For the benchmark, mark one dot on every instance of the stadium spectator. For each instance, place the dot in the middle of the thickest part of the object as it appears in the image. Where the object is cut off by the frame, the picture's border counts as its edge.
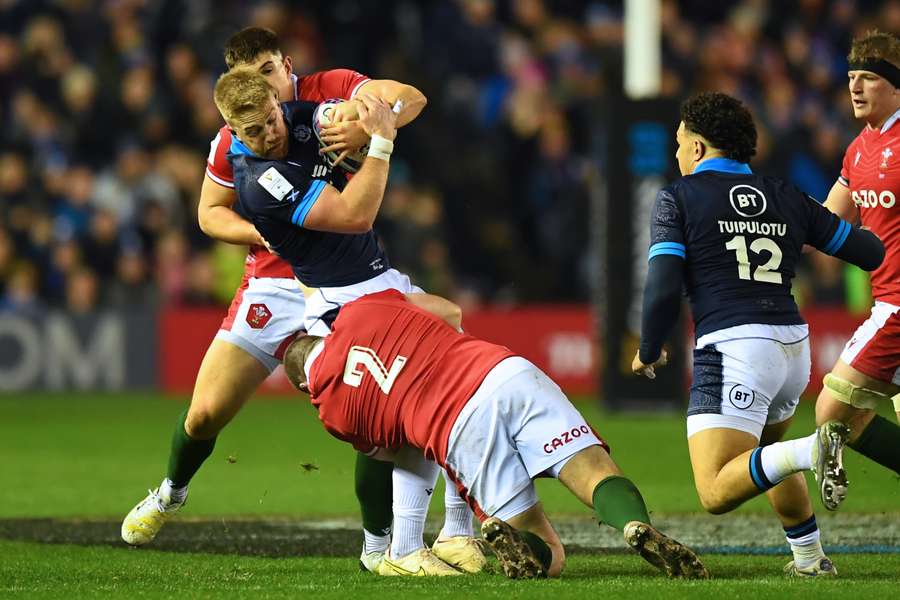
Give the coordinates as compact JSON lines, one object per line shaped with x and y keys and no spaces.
{"x":111,"y":109}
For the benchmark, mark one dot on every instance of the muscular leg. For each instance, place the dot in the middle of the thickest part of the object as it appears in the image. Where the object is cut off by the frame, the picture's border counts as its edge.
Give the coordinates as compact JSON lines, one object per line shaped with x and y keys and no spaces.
{"x":535,"y":522}
{"x":790,"y":498}
{"x":871,"y":435}
{"x":585,"y":470}
{"x":228,"y":376}
{"x":597,"y":481}
{"x":723,"y":461}
{"x":720,"y":458}
{"x":730,"y":469}
{"x":790,"y":501}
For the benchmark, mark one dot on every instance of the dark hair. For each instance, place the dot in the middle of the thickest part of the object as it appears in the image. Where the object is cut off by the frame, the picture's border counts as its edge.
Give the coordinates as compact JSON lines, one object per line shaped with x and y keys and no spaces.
{"x":875,"y":45}
{"x":725,"y":123}
{"x":245,"y":45}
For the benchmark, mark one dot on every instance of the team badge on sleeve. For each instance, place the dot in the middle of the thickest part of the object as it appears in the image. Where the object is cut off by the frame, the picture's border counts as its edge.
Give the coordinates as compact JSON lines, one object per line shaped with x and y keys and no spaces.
{"x":274,"y":182}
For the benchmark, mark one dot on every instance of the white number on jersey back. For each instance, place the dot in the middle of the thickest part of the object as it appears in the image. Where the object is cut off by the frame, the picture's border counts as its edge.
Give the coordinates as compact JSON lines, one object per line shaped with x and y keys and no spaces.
{"x":360,"y":356}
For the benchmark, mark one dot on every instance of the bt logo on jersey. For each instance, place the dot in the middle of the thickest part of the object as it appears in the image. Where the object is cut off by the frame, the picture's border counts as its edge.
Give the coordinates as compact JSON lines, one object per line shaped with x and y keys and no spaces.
{"x":873,"y":199}
{"x":566,"y":437}
{"x":747,"y":201}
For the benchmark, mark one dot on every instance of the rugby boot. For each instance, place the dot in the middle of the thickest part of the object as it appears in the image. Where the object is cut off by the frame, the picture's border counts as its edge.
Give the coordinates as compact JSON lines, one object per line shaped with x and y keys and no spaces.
{"x":821,"y":568}
{"x":461,"y":552}
{"x":828,"y":463}
{"x":516,"y":557}
{"x":668,"y":555}
{"x":146,"y":519}
{"x":369,"y":562}
{"x":421,"y":563}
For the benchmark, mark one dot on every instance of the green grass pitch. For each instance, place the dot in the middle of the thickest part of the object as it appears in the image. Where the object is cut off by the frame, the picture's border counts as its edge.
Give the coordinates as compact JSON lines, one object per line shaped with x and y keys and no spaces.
{"x":85,"y":460}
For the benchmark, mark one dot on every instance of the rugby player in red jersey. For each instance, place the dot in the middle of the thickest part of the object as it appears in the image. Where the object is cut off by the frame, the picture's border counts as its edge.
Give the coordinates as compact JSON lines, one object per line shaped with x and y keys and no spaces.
{"x":268,"y":310}
{"x":867,"y":374}
{"x":402,"y":383}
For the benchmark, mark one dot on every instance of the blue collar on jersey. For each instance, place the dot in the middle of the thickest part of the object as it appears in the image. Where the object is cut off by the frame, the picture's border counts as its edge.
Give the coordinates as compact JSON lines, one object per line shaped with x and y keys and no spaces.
{"x":238,"y":147}
{"x":725,"y":165}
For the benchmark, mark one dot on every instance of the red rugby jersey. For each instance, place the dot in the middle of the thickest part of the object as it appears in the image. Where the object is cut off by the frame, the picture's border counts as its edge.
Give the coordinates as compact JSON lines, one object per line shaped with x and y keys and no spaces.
{"x":315,"y":87}
{"x":391,"y":374}
{"x":871,"y":170}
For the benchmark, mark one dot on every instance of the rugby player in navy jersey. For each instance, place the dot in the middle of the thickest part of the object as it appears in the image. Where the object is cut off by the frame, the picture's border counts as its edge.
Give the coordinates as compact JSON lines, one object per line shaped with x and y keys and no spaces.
{"x":733,"y":239}
{"x":324,"y":231}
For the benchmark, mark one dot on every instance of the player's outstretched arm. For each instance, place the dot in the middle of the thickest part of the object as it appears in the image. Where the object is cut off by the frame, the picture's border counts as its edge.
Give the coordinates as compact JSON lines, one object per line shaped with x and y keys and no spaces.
{"x":219,"y":221}
{"x":440,"y":307}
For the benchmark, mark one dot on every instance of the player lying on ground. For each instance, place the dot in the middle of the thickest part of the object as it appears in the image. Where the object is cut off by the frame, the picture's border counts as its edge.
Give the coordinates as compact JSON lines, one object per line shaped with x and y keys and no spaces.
{"x":397,"y":381}
{"x":268,"y":309}
{"x":868,"y":372}
{"x":733,"y":239}
{"x":322,"y":225}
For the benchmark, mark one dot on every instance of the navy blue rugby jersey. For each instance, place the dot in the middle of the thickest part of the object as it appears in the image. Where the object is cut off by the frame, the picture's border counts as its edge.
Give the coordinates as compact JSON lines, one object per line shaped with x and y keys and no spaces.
{"x":276,"y":196}
{"x":741,"y":236}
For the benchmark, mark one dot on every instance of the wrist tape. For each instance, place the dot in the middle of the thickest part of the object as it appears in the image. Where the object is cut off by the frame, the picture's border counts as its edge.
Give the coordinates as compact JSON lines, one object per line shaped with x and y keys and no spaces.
{"x":380,"y":147}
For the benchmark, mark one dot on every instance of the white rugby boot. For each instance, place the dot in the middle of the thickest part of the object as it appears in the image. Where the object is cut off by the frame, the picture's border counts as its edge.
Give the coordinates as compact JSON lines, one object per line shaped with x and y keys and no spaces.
{"x":420,"y":563}
{"x":146,"y":519}
{"x":821,"y":568}
{"x":370,"y":562}
{"x":461,"y":552}
{"x":828,"y":462}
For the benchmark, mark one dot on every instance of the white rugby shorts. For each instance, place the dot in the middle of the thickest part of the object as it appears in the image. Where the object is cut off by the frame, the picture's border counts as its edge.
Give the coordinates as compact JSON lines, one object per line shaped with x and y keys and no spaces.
{"x":264,"y":317}
{"x":516,"y":426}
{"x":748,"y":376}
{"x":323,"y":300}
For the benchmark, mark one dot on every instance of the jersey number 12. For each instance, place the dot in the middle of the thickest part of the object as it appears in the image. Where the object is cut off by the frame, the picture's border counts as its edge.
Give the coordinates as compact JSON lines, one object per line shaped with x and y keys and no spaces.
{"x":765,"y":272}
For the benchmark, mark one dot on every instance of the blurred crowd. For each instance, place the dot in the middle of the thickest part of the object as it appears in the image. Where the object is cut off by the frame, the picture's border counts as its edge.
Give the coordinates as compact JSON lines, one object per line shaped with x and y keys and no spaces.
{"x":107,"y":116}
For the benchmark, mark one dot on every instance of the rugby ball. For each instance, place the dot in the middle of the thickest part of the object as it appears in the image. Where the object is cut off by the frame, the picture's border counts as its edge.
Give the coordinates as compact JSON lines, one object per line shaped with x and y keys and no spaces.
{"x":322,"y":118}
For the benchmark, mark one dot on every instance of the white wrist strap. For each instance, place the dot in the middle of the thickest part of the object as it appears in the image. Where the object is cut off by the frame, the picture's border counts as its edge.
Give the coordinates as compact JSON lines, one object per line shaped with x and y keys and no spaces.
{"x":380,"y":147}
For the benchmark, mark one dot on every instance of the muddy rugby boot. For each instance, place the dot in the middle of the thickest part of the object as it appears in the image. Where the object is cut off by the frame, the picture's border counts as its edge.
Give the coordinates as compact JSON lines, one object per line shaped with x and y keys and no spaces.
{"x":668,"y":555}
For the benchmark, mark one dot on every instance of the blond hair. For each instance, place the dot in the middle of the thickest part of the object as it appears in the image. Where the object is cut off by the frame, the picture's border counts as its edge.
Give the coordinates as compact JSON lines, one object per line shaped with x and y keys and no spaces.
{"x":875,"y":45}
{"x":241,"y":91}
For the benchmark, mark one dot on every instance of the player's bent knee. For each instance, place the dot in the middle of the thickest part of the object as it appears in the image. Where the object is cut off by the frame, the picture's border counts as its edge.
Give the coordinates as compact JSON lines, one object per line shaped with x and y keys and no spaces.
{"x":715,"y":503}
{"x":204,"y":423}
{"x":853,"y":395}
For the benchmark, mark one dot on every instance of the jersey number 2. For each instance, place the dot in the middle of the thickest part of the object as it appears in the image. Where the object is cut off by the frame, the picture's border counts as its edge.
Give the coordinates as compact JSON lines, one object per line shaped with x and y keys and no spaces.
{"x":360,"y":356}
{"x":765,"y":272}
